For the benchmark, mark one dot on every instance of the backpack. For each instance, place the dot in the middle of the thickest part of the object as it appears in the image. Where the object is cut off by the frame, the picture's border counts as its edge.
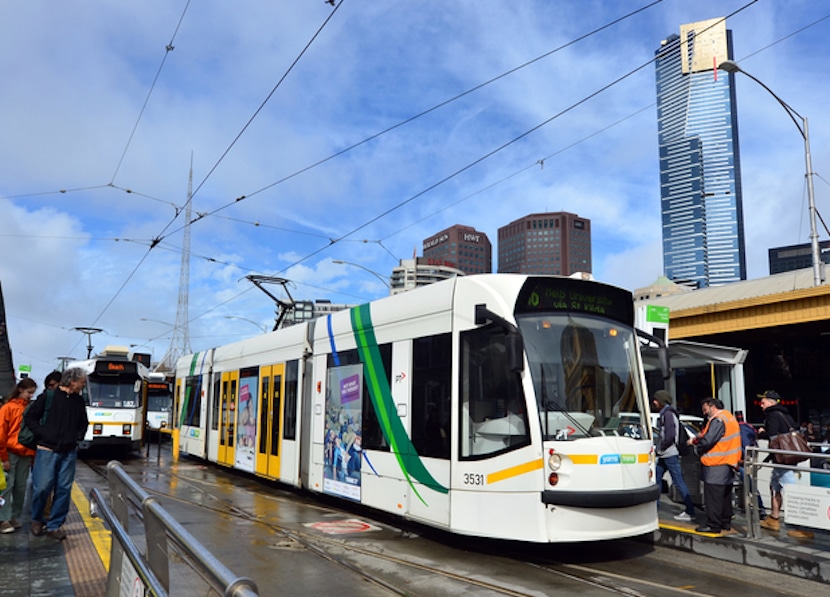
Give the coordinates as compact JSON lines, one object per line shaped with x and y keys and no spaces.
{"x":26,"y":437}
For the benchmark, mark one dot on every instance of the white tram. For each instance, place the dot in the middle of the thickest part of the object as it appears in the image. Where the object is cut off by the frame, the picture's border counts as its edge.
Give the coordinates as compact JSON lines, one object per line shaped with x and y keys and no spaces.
{"x":115,"y":396}
{"x":159,"y":401}
{"x":486,"y":405}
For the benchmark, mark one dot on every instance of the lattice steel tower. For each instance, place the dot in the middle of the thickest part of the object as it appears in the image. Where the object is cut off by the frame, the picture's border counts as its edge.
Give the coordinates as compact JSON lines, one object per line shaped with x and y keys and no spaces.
{"x":180,"y":343}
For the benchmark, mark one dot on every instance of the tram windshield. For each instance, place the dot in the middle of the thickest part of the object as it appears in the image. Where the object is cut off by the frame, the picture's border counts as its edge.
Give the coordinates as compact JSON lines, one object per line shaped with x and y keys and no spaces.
{"x":585,"y":375}
{"x":113,"y":393}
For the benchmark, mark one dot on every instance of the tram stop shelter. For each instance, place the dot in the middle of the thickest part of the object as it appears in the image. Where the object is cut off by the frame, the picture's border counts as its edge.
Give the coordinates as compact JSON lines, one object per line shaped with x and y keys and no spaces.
{"x":783,"y":324}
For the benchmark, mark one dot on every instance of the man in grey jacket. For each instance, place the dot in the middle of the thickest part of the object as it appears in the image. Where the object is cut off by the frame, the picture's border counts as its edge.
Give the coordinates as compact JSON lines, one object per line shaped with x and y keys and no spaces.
{"x":668,"y":456}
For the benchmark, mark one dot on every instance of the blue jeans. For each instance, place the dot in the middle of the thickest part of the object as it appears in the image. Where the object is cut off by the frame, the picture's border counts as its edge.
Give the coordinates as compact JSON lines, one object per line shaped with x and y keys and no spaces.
{"x":672,"y":464}
{"x":52,"y":471}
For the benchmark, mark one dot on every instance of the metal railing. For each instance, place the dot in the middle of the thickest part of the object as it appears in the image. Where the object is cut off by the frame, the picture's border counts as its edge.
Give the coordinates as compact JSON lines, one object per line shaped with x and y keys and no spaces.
{"x":150,"y":570}
{"x":752,"y":464}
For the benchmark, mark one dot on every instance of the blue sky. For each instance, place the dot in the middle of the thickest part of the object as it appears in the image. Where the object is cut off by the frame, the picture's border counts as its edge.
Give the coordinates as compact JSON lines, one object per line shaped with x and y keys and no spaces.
{"x":78,"y":115}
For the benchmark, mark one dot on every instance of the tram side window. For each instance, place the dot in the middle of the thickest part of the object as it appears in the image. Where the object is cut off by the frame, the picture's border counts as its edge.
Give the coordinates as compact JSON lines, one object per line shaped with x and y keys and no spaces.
{"x":493,"y":414}
{"x":431,"y":395}
{"x":192,"y":405}
{"x":217,"y":399}
{"x":370,"y":432}
{"x":292,"y":369}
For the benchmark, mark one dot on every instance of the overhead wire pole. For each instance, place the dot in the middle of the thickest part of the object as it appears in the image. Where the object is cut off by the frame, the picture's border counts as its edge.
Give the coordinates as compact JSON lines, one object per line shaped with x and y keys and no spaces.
{"x":731,"y":67}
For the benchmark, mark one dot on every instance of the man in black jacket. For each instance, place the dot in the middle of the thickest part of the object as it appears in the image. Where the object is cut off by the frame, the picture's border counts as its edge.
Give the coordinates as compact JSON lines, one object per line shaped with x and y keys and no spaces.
{"x":57,"y":450}
{"x":776,"y":420}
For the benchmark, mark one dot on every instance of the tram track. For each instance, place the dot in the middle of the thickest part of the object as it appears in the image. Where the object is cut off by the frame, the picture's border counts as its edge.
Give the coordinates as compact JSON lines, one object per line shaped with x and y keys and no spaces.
{"x":354,"y":556}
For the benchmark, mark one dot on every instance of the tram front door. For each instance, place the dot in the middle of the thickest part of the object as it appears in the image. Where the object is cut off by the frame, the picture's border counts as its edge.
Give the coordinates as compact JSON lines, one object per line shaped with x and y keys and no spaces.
{"x":227,"y":420}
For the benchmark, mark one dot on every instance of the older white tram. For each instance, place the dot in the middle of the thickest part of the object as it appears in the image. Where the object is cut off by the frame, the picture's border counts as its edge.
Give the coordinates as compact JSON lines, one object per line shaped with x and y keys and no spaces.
{"x":486,"y":405}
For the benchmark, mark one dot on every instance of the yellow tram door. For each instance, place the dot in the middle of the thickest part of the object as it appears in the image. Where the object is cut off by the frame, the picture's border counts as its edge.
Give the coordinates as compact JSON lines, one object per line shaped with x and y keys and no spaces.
{"x":227,"y":418}
{"x":269,"y":424}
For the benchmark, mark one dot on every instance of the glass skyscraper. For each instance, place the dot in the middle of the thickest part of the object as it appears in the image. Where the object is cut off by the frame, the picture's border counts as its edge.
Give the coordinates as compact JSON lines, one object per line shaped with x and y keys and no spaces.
{"x":700,"y":174}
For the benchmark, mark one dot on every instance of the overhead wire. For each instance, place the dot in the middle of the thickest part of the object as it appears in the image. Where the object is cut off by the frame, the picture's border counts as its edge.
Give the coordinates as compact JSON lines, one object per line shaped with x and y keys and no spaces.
{"x":213,"y":168}
{"x":427,"y":111}
{"x":167,"y":49}
{"x":159,"y":237}
{"x":468,"y":166}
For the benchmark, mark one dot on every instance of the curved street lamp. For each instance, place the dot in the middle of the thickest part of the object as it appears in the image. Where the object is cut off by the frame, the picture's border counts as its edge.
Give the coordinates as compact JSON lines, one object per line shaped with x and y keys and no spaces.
{"x":381,"y":277}
{"x":168,"y":324}
{"x":731,"y":67}
{"x":263,"y":328}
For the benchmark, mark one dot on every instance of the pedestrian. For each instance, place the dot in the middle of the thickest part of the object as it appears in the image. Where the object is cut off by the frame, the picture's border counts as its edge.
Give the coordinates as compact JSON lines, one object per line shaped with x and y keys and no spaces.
{"x":719,"y":448}
{"x":668,"y":453}
{"x":749,"y":438}
{"x":17,"y":459}
{"x":57,"y":451}
{"x":777,"y":420}
{"x":50,"y":384}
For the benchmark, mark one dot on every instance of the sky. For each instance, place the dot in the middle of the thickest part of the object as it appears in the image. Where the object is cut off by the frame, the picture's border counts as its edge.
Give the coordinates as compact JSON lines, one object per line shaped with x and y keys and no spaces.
{"x":320,"y":133}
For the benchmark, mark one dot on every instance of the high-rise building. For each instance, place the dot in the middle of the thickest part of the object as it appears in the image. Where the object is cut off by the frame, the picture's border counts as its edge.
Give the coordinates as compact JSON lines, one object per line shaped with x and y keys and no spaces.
{"x":556,"y":243}
{"x":460,"y":247}
{"x":414,"y":273}
{"x":793,"y":257}
{"x":700,"y":174}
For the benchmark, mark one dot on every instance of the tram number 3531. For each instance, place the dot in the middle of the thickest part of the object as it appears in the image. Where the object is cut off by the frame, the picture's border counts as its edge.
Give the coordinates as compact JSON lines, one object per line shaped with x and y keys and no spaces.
{"x":473,"y":479}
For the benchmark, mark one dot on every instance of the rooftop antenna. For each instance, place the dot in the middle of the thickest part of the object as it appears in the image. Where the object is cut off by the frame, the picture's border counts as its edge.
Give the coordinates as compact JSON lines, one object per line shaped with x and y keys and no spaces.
{"x":180,"y":342}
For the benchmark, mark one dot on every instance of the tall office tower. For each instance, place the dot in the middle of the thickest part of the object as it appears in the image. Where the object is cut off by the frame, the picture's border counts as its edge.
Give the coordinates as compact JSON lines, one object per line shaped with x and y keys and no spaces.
{"x":549,"y":243}
{"x":700,"y":173}
{"x":460,"y":247}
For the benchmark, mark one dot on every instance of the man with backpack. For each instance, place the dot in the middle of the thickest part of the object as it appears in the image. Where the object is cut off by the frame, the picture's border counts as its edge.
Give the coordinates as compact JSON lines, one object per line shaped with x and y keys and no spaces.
{"x":668,"y":450}
{"x":57,"y":451}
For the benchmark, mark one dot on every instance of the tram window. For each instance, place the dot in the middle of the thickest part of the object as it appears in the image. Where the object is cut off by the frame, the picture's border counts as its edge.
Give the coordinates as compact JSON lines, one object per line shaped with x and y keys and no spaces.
{"x":292,"y":369}
{"x":217,"y":396}
{"x":370,"y":432}
{"x":264,"y":411}
{"x":192,"y":405}
{"x":493,"y":414}
{"x":431,"y":395}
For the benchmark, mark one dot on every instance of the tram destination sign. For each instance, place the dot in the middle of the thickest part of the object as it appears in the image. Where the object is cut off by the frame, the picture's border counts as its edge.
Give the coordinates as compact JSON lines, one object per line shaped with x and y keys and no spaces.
{"x":576,"y":296}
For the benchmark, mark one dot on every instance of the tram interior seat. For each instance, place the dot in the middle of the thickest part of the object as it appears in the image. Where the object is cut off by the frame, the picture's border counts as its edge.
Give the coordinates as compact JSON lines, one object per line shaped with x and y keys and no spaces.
{"x":494,"y":434}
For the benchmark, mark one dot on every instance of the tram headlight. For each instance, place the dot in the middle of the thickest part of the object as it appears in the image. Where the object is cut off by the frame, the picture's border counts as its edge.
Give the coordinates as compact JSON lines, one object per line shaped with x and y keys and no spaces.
{"x":126,"y":429}
{"x":553,"y":479}
{"x":97,"y":429}
{"x":554,"y":461}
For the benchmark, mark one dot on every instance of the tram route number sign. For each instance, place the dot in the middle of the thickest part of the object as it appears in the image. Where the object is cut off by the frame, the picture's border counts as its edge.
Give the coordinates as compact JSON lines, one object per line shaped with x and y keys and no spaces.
{"x":342,"y":527}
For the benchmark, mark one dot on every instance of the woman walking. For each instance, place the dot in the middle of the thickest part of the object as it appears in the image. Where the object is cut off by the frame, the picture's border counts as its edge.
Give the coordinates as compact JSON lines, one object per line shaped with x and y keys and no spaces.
{"x":17,"y":459}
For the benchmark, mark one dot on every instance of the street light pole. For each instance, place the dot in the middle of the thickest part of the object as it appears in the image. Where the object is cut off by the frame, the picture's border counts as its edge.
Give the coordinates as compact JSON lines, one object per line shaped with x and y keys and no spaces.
{"x":88,"y":332}
{"x":380,"y":277}
{"x":263,"y":328}
{"x":731,"y":67}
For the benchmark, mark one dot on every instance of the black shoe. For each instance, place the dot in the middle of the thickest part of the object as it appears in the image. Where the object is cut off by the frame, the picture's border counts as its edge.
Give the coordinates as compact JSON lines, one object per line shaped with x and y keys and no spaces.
{"x":37,"y":528}
{"x":707,"y":529}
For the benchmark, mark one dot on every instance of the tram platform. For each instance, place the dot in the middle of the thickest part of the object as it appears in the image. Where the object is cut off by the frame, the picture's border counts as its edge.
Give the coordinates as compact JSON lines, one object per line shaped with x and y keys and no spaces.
{"x":78,"y":565}
{"x":806,"y":557}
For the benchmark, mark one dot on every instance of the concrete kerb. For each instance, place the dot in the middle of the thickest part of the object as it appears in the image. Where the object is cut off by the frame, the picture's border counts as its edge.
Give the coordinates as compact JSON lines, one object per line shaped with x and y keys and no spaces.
{"x":807,"y":563}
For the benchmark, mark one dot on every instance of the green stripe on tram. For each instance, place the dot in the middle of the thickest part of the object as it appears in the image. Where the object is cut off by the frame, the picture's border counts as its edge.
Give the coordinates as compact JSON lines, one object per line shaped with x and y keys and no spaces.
{"x":377,"y":381}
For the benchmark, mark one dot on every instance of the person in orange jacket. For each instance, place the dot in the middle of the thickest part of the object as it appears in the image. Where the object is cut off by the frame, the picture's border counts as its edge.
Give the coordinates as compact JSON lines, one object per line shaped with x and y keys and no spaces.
{"x":17,"y":459}
{"x":719,"y":448}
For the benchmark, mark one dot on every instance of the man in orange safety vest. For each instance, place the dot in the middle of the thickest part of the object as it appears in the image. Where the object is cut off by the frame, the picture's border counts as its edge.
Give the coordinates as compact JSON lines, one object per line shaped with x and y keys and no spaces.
{"x":719,"y":448}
